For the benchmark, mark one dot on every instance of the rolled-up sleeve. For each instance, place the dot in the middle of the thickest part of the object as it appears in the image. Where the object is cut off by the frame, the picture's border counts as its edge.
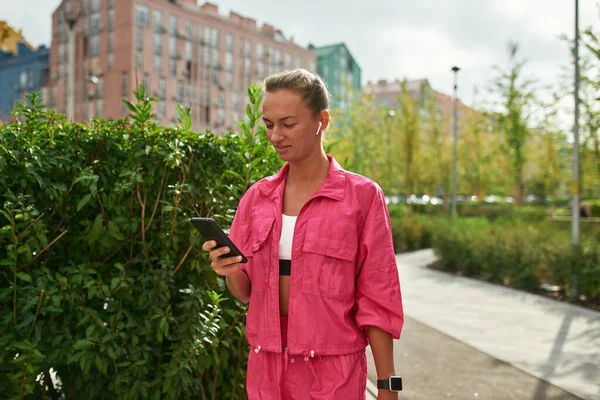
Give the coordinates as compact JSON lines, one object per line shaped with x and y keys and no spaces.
{"x":378,"y":297}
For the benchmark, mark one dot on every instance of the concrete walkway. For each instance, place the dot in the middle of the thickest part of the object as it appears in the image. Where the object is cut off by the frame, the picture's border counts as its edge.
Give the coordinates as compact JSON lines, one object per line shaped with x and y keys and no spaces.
{"x":553,"y":341}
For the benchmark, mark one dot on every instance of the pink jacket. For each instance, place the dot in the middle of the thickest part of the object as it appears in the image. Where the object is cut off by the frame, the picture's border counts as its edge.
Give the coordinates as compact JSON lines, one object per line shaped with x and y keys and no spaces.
{"x":344,"y":275}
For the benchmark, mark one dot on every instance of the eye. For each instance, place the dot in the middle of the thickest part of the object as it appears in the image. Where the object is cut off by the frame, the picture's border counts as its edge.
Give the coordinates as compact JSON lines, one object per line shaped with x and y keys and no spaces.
{"x":289,"y":125}
{"x":269,"y":126}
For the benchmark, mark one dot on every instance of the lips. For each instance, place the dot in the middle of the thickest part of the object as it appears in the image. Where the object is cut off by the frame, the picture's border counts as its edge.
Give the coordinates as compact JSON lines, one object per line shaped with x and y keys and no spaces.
{"x":282,"y":148}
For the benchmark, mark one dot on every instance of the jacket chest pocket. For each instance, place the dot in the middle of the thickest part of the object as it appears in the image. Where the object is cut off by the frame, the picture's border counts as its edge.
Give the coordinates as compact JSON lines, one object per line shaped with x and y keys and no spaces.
{"x":257,"y":250}
{"x":329,"y":254}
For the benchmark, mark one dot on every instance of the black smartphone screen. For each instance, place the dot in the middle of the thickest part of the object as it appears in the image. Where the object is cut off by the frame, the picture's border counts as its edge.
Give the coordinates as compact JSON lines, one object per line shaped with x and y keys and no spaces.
{"x":210,"y":230}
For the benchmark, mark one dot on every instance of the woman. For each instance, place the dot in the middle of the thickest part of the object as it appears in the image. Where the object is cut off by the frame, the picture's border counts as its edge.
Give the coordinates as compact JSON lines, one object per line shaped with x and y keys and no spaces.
{"x":321,"y":279}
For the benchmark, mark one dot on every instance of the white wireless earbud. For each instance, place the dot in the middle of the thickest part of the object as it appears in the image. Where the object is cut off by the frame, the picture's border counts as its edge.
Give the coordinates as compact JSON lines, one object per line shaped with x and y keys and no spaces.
{"x":319,"y":128}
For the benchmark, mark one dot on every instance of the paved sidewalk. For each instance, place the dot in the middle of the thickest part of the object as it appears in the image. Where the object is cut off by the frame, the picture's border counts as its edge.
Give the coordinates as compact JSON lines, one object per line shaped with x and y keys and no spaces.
{"x":553,"y":341}
{"x":434,"y":366}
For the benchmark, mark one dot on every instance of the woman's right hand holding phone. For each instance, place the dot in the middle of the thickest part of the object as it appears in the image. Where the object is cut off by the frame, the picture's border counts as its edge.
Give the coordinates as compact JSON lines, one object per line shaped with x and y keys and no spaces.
{"x":222,"y":266}
{"x":237,"y":281}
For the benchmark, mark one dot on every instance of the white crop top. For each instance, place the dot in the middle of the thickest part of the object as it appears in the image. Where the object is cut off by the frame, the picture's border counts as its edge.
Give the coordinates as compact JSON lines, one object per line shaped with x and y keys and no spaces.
{"x":287,"y":236}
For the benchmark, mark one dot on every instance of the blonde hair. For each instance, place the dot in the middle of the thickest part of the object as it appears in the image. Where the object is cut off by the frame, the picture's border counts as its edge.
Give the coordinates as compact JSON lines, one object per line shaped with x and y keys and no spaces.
{"x":309,"y":86}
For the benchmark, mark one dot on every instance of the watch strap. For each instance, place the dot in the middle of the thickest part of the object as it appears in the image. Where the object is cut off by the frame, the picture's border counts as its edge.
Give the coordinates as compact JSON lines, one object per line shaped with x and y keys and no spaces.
{"x":386,"y":384}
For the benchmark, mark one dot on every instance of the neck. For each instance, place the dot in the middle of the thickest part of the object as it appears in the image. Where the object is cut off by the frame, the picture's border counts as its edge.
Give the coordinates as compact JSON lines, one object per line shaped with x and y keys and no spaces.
{"x":309,"y":172}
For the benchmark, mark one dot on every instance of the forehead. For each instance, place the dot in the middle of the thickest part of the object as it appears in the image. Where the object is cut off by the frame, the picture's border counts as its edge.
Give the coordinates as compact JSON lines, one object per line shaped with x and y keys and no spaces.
{"x":283,"y":103}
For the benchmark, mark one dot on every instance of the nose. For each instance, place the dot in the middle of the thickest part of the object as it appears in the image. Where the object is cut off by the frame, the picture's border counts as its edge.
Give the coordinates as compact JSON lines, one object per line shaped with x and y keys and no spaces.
{"x":276,"y":136}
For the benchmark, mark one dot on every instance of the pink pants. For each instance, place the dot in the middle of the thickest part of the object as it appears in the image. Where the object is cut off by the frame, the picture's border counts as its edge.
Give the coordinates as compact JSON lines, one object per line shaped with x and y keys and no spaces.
{"x":279,"y":376}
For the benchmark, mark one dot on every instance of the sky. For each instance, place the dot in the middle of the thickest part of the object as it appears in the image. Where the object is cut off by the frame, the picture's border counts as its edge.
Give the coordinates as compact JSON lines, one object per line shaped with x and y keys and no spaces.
{"x":397,"y":39}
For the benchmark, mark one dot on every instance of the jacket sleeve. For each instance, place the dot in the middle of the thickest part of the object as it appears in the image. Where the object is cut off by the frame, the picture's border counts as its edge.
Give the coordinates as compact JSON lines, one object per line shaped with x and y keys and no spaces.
{"x":378,"y":297}
{"x":236,"y":233}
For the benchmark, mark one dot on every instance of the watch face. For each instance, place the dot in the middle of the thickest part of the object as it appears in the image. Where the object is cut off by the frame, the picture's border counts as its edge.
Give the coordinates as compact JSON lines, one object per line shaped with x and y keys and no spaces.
{"x":396,"y":383}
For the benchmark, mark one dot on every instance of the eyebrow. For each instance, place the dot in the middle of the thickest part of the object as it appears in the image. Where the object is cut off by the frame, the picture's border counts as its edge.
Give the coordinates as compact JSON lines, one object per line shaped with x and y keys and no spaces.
{"x":280,"y":119}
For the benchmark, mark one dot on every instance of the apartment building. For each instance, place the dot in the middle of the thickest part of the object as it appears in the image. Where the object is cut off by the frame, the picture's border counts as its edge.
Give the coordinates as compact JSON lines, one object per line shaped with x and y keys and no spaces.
{"x":182,"y":52}
{"x":22,"y":72}
{"x":340,"y":71}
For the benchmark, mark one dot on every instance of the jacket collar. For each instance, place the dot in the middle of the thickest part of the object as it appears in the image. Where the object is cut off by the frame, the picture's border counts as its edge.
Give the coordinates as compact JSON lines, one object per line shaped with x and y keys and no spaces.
{"x":334,"y":186}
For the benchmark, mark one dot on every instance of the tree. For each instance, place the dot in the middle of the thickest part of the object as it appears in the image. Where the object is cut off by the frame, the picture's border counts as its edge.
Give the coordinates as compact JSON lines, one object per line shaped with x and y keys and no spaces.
{"x":435,"y":150}
{"x":516,"y":98}
{"x":410,"y":130}
{"x":591,"y":109}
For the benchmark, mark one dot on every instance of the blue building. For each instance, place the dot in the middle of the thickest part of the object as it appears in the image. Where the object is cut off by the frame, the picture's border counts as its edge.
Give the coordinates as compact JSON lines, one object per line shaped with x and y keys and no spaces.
{"x":21,"y":73}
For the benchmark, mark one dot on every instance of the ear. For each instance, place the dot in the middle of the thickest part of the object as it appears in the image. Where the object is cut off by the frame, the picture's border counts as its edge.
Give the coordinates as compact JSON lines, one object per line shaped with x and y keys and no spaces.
{"x":324,"y":119}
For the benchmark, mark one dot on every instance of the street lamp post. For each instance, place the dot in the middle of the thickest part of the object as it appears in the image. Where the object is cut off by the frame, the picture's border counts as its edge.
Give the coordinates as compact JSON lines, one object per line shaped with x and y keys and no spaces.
{"x":575,"y":205}
{"x":71,"y":10}
{"x":455,"y":69}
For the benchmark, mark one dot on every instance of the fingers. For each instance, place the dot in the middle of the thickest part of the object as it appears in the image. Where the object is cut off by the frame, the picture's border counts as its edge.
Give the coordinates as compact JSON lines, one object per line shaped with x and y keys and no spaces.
{"x":221,"y":265}
{"x":208,"y":246}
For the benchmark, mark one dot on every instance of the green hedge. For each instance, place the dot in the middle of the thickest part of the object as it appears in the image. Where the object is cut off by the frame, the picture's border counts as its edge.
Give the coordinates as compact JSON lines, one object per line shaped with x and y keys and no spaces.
{"x":517,"y":253}
{"x":103,"y":278}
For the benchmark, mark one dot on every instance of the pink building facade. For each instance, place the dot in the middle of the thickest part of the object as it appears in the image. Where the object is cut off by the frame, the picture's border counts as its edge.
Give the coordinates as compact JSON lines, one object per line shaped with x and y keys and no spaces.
{"x":181,"y":52}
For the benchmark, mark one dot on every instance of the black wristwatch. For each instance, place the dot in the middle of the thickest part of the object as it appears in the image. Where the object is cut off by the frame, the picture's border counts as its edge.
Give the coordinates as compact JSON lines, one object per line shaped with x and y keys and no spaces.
{"x":393,"y":384}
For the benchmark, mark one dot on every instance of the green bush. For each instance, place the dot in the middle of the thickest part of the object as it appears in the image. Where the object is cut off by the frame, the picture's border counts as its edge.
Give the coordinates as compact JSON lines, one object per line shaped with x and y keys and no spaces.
{"x":410,"y":231}
{"x":594,"y":208}
{"x":104,"y":280}
{"x":508,"y":251}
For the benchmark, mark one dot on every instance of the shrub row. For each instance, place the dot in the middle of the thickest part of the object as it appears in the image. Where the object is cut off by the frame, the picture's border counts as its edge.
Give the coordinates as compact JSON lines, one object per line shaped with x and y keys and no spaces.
{"x":103,"y":278}
{"x":514,"y":252}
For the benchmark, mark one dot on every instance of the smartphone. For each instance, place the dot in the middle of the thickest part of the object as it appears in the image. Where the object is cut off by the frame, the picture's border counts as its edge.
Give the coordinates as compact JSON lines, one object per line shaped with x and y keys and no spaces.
{"x":211,"y":231}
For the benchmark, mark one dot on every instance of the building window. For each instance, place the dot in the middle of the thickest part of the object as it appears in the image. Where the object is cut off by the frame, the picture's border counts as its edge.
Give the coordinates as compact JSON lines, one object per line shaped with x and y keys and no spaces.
{"x":157,"y":44}
{"x":139,"y":39}
{"x":162,"y":109}
{"x":111,"y":61}
{"x":124,"y":85}
{"x":207,"y":53}
{"x":188,"y":30}
{"x":142,"y":15}
{"x":216,"y":58}
{"x":248,"y":48}
{"x":157,"y":64}
{"x":312,"y":67}
{"x":158,"y":24}
{"x":221,"y":100}
{"x":146,"y":83}
{"x":100,"y":108}
{"x":260,"y":50}
{"x":229,"y":42}
{"x":229,"y":79}
{"x":188,"y":51}
{"x":179,"y":92}
{"x":235,"y":116}
{"x":94,"y":45}
{"x":162,"y":89}
{"x":173,"y":25}
{"x":299,"y":62}
{"x":95,"y":5}
{"x":173,"y":46}
{"x":288,"y":61}
{"x":139,"y":57}
{"x":215,"y":38}
{"x":188,"y":96}
{"x":111,"y":20}
{"x":260,"y":71}
{"x":111,"y":42}
{"x":95,"y":23}
{"x":111,"y":4}
{"x":173,"y":67}
{"x":100,"y":88}
{"x":229,"y":61}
